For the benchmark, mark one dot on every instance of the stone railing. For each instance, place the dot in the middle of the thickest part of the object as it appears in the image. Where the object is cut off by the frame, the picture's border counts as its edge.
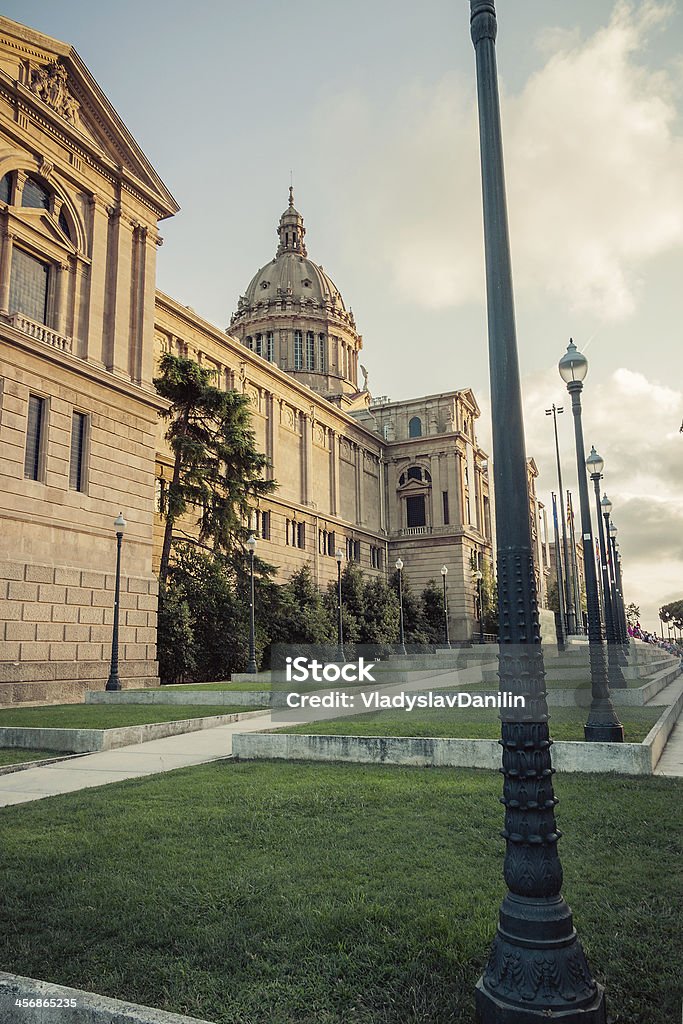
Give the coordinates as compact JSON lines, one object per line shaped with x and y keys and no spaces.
{"x":415,"y":531}
{"x":39,"y":332}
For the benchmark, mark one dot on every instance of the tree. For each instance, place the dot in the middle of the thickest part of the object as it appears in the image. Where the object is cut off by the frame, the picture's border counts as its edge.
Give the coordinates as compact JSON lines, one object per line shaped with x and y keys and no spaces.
{"x":432,"y":613}
{"x":632,"y":614}
{"x":672,"y":613}
{"x":217,"y":469}
{"x":414,"y":626}
{"x":175,"y":637}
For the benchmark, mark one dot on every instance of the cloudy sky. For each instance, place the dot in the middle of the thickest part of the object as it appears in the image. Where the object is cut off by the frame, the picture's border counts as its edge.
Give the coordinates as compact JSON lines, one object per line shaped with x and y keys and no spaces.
{"x":372,"y":107}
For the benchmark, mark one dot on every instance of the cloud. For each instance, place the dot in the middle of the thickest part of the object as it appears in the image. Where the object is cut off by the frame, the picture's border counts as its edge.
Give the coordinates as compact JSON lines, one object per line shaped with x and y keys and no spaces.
{"x":594,"y":165}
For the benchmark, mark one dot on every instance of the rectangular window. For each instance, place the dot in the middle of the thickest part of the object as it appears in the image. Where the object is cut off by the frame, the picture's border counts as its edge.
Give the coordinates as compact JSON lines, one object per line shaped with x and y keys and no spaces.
{"x":330,"y":543}
{"x":415,"y":510}
{"x":301,"y":535}
{"x":298,"y":351}
{"x":79,"y":423}
{"x":310,"y":350}
{"x":35,"y":431}
{"x":446,"y":518}
{"x":265,"y":525}
{"x":321,"y":353}
{"x":287,"y":531}
{"x":29,"y":283}
{"x":270,"y":347}
{"x":258,"y":347}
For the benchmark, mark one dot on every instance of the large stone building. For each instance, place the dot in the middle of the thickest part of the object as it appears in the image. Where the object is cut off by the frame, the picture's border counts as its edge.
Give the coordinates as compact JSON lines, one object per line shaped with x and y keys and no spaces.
{"x":81,"y":326}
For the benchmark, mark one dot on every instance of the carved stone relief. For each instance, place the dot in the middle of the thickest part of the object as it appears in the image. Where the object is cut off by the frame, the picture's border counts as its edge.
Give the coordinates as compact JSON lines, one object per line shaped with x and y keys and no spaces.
{"x":50,"y":85}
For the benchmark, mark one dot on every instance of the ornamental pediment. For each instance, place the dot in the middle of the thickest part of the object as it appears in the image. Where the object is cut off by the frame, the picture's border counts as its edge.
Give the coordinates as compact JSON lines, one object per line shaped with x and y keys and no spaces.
{"x":55,"y":88}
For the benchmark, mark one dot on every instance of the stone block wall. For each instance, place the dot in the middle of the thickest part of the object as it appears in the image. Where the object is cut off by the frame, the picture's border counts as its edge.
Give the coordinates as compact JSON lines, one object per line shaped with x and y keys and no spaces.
{"x":56,"y":632}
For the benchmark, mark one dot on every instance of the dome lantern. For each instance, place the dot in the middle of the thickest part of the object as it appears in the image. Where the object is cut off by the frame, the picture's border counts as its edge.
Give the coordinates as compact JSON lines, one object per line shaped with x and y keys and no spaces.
{"x":291,"y":230}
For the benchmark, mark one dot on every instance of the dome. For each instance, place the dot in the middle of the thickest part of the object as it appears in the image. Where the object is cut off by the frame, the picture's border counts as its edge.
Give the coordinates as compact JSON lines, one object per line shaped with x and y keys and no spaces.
{"x":295,"y":276}
{"x":291,"y":275}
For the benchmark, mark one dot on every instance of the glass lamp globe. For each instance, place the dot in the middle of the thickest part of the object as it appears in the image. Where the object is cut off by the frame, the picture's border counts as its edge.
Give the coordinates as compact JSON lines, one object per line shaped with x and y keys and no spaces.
{"x":594,"y":463}
{"x":399,"y":564}
{"x":605,"y":505}
{"x":573,"y":365}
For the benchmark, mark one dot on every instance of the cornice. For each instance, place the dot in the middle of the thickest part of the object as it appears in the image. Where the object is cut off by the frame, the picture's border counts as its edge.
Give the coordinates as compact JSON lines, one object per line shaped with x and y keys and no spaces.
{"x":81,"y":367}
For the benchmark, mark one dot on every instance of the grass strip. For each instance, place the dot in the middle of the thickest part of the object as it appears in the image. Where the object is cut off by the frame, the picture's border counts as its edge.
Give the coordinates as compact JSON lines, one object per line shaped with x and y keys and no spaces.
{"x":343,"y":894}
{"x":109,"y":716}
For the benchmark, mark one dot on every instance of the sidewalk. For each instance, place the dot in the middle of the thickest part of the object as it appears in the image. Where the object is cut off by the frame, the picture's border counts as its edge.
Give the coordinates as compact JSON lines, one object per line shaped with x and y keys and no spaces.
{"x":124,"y":763}
{"x":164,"y":755}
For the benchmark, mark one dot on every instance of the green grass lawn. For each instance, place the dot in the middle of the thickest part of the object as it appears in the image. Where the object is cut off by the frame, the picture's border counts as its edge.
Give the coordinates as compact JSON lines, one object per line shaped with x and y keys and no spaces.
{"x":15,"y":755}
{"x":328,"y":894}
{"x":565,"y":723}
{"x":108,"y":716}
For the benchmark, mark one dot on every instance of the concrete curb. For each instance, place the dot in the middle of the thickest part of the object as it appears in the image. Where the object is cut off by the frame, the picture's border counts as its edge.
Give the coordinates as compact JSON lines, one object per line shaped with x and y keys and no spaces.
{"x":446,"y":752}
{"x":658,"y":735}
{"x":248,"y":698}
{"x":87,"y":1008}
{"x":86,"y":741}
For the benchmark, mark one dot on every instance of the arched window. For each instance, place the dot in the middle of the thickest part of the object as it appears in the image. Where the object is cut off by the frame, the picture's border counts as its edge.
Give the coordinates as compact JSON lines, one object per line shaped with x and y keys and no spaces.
{"x":35,"y":196}
{"x":64,"y":225}
{"x":415,"y":427}
{"x":414,"y":473}
{"x":6,"y":189}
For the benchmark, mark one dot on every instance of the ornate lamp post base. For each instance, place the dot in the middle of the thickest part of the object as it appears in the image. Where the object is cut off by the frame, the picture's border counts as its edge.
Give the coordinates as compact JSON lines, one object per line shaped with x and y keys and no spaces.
{"x":549,"y":981}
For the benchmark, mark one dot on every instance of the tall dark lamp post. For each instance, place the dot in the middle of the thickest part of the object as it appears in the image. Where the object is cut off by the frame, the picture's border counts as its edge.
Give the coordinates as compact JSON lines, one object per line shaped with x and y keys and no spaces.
{"x":401,"y":631}
{"x":595,"y":465}
{"x":446,"y":631}
{"x":113,"y":682}
{"x":616,"y":562}
{"x":536,"y":970}
{"x":603,"y":723}
{"x":555,"y":411}
{"x":339,"y":555}
{"x":252,"y":667}
{"x":479,"y":576}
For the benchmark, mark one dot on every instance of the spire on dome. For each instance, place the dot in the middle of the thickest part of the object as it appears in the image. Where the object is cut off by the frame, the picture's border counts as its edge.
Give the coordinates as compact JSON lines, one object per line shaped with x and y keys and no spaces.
{"x":291,"y":230}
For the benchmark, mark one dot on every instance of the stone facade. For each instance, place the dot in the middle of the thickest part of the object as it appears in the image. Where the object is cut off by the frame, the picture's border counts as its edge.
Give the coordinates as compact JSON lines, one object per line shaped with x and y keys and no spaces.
{"x":79,"y":207}
{"x":82,"y":327}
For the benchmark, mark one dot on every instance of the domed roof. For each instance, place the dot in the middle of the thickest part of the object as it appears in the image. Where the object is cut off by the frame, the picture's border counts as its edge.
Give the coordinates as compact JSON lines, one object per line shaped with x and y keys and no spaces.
{"x":290,"y":274}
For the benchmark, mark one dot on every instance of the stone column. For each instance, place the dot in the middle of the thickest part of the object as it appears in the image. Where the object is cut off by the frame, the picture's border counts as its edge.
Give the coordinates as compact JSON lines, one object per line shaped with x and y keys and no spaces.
{"x":459,"y":489}
{"x":149,"y":240}
{"x":5,"y":269}
{"x":334,"y":473}
{"x":61,"y":298}
{"x":119,"y":279}
{"x":305,"y":458}
{"x":94,"y":331}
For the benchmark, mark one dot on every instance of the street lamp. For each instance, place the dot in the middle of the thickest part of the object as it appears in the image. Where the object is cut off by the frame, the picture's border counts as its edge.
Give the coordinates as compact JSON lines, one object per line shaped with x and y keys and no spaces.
{"x":537,"y":969}
{"x":568,"y":603}
{"x":479,"y":576}
{"x":339,"y":555}
{"x":401,"y":635}
{"x":113,"y":682}
{"x":252,"y":666}
{"x":595,"y":465}
{"x":444,"y":574}
{"x":603,"y":723}
{"x":616,"y":562}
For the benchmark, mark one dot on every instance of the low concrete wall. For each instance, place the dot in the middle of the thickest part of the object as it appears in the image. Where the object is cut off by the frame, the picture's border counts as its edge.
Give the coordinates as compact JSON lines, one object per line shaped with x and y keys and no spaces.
{"x":245,"y":698}
{"x":87,"y":1008}
{"x":84,"y":741}
{"x":658,"y":735}
{"x":624,"y":758}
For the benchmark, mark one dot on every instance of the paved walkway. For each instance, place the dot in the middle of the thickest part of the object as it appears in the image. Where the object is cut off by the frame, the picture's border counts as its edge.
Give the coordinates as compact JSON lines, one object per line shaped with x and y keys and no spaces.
{"x":191,"y":748}
{"x":125,"y":762}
